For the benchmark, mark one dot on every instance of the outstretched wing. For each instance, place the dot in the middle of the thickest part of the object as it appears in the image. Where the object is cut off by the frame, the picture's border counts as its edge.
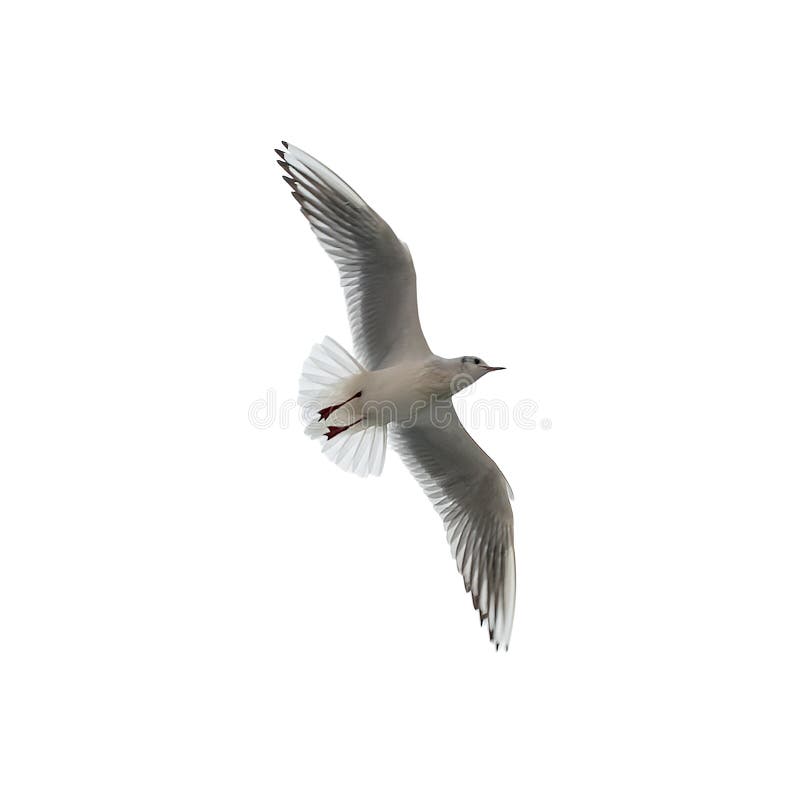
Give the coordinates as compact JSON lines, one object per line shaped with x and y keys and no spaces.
{"x":473,"y":499}
{"x":375,"y":267}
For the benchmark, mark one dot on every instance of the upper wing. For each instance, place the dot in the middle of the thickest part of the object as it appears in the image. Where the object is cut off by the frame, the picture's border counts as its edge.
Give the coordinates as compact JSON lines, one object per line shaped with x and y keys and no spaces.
{"x":375,"y":267}
{"x":473,"y":499}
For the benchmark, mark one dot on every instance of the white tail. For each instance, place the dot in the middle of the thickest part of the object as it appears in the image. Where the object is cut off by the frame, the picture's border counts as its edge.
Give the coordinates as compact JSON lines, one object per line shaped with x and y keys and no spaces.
{"x":330,"y":386}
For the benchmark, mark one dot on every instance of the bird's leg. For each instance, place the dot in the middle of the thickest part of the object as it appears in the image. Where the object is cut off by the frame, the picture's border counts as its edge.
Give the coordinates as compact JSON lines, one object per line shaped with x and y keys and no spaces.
{"x":335,"y":430}
{"x":326,"y":412}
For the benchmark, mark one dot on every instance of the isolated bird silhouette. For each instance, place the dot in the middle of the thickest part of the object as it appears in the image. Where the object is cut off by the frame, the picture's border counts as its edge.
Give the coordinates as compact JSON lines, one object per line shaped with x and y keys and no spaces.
{"x":400,"y":388}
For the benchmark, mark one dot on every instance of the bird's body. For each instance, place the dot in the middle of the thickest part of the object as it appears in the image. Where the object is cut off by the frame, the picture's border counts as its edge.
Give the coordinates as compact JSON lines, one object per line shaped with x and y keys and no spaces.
{"x":407,"y":386}
{"x":395,"y":394}
{"x":398,"y":388}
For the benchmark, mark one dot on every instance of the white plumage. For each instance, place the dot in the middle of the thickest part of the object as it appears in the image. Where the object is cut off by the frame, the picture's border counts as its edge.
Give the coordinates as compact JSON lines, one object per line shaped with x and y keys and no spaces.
{"x":396,"y":385}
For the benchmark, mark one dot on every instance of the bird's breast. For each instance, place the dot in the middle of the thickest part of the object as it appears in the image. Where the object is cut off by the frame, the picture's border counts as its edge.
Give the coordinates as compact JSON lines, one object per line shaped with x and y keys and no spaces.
{"x":396,"y":393}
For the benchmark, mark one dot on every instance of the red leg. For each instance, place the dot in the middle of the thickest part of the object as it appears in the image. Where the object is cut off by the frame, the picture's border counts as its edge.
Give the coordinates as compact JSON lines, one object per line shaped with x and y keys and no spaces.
{"x":326,"y":412}
{"x":335,"y":430}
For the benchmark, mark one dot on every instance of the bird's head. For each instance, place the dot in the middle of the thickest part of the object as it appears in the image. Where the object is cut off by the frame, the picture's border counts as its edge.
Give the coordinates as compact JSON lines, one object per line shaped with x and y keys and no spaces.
{"x":471,"y":369}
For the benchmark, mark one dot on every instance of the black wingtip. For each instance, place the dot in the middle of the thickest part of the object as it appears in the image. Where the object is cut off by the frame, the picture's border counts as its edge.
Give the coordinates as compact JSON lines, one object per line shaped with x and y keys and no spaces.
{"x":285,"y":144}
{"x":281,"y":153}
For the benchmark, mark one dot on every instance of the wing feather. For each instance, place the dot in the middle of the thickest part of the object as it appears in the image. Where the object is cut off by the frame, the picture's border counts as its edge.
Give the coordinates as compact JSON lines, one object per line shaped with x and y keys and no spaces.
{"x":375,"y":267}
{"x":473,"y":499}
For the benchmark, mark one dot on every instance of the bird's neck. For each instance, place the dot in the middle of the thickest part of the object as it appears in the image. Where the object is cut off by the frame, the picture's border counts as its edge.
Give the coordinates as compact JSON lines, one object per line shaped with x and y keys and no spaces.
{"x":445,"y":376}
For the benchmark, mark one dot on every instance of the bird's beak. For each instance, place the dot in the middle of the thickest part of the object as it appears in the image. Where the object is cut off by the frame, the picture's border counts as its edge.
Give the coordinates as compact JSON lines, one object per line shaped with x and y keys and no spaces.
{"x":493,"y":369}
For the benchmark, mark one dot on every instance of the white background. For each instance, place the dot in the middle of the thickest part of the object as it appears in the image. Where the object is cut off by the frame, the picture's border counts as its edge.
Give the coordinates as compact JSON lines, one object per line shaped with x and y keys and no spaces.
{"x":601,"y":197}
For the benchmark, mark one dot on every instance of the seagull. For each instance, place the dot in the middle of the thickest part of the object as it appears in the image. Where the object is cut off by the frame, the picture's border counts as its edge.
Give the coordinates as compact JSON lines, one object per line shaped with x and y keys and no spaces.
{"x":396,"y":388}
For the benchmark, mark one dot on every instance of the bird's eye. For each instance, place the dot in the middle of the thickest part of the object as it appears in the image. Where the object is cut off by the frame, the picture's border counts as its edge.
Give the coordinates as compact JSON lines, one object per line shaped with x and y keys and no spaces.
{"x":477,"y":361}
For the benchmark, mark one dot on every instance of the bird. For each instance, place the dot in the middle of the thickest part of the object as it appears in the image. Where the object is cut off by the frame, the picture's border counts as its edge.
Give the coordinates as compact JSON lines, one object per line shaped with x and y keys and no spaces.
{"x":396,"y":389}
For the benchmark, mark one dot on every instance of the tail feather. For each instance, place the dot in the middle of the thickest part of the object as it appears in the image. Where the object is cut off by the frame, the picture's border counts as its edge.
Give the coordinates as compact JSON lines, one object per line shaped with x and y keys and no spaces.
{"x":324,"y":371}
{"x":330,"y":378}
{"x":360,"y":450}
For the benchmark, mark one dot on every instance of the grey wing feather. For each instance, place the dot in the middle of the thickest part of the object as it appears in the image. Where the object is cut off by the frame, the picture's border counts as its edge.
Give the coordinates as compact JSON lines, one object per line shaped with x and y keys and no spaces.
{"x":473,"y":499}
{"x":375,"y":267}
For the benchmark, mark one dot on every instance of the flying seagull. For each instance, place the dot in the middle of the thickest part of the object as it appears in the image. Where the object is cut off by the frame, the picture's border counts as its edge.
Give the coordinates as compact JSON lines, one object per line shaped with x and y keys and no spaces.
{"x":396,"y":388}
